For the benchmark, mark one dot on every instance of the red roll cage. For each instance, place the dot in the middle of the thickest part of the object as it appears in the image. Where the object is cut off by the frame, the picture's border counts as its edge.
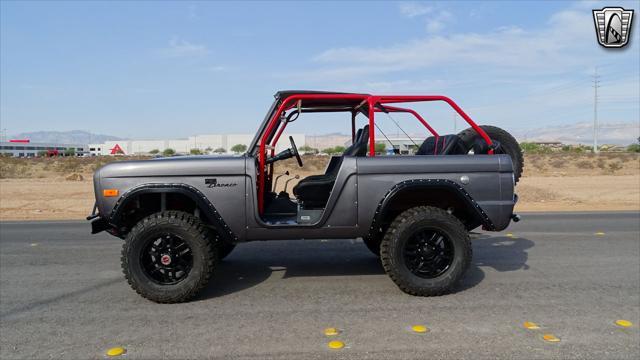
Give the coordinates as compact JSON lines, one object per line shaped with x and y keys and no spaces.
{"x":339,"y":102}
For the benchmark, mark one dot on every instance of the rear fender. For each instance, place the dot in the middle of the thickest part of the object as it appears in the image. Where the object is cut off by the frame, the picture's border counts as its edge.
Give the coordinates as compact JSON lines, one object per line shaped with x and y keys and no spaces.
{"x":430,"y":185}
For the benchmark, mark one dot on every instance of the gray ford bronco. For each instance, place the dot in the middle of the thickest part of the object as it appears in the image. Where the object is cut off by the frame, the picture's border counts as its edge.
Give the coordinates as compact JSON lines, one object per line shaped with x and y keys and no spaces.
{"x":180,"y":216}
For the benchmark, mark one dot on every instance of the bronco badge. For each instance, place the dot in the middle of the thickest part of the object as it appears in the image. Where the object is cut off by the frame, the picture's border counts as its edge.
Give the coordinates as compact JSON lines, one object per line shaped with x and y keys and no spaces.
{"x":214,"y":183}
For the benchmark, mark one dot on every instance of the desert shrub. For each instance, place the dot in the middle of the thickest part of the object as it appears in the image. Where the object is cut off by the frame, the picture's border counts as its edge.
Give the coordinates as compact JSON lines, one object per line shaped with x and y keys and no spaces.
{"x":558,"y":163}
{"x":68,"y":164}
{"x":615,"y":166}
{"x":634,"y":148}
{"x":584,"y":164}
{"x":601,"y":163}
{"x":13,"y":168}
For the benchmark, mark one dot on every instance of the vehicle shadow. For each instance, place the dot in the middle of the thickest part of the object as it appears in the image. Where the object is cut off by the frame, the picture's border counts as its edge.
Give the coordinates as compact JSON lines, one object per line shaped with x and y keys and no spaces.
{"x":253,"y":263}
{"x":501,"y":253}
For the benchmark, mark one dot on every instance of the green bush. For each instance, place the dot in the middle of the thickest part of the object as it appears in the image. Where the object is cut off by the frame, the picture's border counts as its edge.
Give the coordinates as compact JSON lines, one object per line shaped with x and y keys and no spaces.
{"x":533,"y":148}
{"x":239,"y":148}
{"x":634,"y":148}
{"x":306,"y":149}
{"x":195,"y":152}
{"x":168,"y":152}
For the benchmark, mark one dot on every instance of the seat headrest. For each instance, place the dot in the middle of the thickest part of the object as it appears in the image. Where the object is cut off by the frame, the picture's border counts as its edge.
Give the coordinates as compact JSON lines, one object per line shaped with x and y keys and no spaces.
{"x":359,"y":147}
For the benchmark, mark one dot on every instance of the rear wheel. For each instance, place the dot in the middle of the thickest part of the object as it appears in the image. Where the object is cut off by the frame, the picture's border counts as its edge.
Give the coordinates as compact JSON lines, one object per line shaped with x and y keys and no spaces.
{"x":508,"y":145}
{"x":426,"y":251}
{"x":168,"y":257}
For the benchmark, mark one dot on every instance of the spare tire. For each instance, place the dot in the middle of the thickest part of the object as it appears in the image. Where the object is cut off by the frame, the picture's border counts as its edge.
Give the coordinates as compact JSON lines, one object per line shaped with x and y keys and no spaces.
{"x":508,"y":145}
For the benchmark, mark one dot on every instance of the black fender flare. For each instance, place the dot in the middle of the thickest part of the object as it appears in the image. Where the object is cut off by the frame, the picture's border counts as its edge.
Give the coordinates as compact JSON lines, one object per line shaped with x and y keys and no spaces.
{"x":209,"y":211}
{"x":430,"y":184}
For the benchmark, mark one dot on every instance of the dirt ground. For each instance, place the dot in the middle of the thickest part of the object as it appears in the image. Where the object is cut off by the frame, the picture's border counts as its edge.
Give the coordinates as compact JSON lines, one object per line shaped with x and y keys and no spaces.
{"x":61,"y":189}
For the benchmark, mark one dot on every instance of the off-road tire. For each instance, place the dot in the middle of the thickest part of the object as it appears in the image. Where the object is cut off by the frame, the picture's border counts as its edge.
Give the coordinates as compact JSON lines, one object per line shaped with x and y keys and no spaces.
{"x":373,"y":244}
{"x":398,"y":233}
{"x":224,"y":249}
{"x":508,"y":144}
{"x":193,"y":232}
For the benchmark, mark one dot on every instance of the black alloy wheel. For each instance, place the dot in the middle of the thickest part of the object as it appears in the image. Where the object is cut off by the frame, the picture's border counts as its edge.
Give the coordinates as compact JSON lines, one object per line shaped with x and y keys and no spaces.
{"x":428,"y":253}
{"x":166,"y":259}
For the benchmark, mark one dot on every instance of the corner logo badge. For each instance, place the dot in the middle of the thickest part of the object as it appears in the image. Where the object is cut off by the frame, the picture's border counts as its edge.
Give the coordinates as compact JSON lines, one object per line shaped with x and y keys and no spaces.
{"x":613,"y":26}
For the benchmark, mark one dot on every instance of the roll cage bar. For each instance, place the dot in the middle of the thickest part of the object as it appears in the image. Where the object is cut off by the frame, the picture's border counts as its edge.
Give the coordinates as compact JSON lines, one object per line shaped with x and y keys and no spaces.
{"x":368,"y":105}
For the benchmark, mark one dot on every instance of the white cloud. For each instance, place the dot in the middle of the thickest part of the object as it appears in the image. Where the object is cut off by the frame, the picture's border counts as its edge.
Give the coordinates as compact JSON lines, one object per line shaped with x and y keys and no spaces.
{"x":565,"y":42}
{"x":413,"y":9}
{"x":437,"y":22}
{"x":182,"y":48}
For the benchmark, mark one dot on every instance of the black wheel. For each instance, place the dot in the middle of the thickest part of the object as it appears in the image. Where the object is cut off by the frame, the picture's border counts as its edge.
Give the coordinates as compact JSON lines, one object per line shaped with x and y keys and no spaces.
{"x":224,"y":249}
{"x":426,"y":251}
{"x":373,"y":244}
{"x":168,"y":257}
{"x":508,"y":145}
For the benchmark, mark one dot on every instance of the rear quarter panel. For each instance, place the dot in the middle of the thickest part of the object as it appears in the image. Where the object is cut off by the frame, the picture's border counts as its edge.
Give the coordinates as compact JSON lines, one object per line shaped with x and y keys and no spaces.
{"x":490,"y":181}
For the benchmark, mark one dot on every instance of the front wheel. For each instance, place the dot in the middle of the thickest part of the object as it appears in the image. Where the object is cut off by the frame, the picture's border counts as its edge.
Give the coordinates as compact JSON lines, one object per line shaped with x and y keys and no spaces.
{"x":168,"y":257}
{"x":426,"y":251}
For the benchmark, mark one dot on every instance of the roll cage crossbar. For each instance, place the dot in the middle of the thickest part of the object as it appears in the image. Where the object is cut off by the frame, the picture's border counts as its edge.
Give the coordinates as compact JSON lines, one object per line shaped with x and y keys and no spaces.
{"x":366,"y":104}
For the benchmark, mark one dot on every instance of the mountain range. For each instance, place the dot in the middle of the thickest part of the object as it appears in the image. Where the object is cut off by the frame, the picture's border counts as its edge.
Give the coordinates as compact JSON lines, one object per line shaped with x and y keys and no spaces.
{"x":65,"y":137}
{"x":621,"y":133}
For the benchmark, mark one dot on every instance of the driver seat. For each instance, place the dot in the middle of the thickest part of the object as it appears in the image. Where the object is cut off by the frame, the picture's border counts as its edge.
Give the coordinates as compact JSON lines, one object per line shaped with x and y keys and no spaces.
{"x":313,"y":191}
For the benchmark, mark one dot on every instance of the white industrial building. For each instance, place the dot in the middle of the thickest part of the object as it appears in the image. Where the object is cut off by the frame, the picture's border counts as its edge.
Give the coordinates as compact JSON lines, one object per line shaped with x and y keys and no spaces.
{"x":204,"y":143}
{"x":29,"y":149}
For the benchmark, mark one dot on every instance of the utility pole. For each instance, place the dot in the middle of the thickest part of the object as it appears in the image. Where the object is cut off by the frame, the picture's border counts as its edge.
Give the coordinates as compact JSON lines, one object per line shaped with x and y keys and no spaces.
{"x":596,"y":85}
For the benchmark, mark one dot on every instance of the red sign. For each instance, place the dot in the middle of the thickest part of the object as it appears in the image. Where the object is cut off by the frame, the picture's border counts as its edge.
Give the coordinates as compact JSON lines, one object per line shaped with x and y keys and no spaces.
{"x":117,"y":150}
{"x":20,"y":140}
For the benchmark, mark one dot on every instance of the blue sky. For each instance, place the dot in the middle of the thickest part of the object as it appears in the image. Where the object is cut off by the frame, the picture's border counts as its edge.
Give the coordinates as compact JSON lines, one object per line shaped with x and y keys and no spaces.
{"x":173,"y":69}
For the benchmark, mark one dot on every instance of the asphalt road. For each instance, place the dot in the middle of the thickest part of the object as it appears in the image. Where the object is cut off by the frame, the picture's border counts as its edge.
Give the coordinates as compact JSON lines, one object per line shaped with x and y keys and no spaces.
{"x":62,"y":295}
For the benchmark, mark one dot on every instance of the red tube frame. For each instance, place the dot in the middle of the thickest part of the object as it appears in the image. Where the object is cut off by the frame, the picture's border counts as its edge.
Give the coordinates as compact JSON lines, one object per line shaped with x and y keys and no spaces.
{"x":371,"y":101}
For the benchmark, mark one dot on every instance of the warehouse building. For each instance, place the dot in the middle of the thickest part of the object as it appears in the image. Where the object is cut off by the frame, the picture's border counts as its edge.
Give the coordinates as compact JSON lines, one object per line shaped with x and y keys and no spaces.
{"x":218,"y":143}
{"x":25,"y":148}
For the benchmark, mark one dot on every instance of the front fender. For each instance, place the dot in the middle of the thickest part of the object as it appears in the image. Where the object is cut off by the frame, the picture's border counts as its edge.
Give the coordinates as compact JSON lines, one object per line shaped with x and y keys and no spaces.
{"x":207,"y":209}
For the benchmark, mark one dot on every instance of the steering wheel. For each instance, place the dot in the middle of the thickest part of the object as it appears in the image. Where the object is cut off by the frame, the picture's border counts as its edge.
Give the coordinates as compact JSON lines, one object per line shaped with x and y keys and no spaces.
{"x":294,"y":150}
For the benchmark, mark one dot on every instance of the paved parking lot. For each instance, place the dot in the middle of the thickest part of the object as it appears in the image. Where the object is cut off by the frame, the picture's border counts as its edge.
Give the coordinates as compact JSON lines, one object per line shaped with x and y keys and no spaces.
{"x":62,"y":295}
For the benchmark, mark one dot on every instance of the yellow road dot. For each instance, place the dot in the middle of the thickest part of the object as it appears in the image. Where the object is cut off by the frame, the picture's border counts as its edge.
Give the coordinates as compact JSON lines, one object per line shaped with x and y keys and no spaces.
{"x":421,"y":329}
{"x":599,"y":233}
{"x":550,"y":338}
{"x":335,"y":344}
{"x":531,"y":325}
{"x":34,"y":244}
{"x":624,"y":323}
{"x":331,"y":331}
{"x":509,"y":235}
{"x":116,"y":351}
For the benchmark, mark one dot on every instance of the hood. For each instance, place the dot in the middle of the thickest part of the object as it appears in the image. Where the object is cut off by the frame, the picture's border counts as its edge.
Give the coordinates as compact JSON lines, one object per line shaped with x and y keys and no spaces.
{"x":175,"y":166}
